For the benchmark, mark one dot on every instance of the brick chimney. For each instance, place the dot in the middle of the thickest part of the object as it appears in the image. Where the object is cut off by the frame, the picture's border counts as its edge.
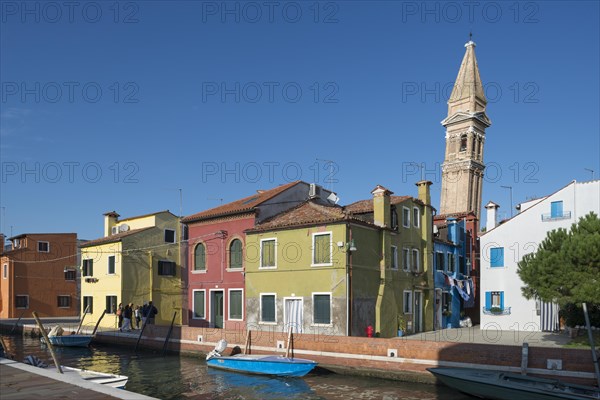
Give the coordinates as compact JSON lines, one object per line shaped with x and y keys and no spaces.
{"x":110,"y":220}
{"x":492,"y":215}
{"x":381,"y":206}
{"x":424,"y":191}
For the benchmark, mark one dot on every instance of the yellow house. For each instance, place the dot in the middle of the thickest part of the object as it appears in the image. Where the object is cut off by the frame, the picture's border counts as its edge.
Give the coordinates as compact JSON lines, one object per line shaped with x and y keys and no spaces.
{"x":136,"y":261}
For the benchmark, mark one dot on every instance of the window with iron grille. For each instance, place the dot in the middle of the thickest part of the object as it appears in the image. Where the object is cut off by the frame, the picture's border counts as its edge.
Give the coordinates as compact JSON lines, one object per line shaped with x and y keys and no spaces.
{"x":64,"y":301}
{"x":167,"y":268}
{"x":22,"y":301}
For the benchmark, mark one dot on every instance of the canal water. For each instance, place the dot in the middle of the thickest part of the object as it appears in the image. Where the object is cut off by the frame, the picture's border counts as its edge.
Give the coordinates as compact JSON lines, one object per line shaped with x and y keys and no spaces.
{"x":181,"y":377}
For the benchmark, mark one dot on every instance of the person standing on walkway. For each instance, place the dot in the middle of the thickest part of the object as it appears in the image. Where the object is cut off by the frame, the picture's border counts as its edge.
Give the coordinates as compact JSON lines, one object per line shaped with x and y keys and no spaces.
{"x":120,"y":316}
{"x":144,"y":313}
{"x":127,"y":315}
{"x":137,"y":316}
{"x":152,"y":311}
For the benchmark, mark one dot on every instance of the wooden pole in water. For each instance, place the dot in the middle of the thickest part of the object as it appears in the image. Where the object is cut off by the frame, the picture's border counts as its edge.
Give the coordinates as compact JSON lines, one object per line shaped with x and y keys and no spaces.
{"x":247,"y":344}
{"x":287,"y":351}
{"x":591,"y":340}
{"x":82,"y":318}
{"x":164,"y":350}
{"x":41,"y":326}
{"x":17,"y":323}
{"x":98,"y":323}
{"x":141,"y":332}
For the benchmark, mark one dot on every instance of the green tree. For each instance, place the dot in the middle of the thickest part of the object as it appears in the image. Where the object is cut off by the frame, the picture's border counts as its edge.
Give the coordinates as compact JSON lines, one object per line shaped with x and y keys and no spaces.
{"x":566,"y":266}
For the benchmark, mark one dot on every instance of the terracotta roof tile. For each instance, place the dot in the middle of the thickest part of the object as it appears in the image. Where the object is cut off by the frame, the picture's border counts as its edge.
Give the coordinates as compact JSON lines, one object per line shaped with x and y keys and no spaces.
{"x":365,"y":206}
{"x":113,"y":238}
{"x":305,"y":213}
{"x":242,"y":205}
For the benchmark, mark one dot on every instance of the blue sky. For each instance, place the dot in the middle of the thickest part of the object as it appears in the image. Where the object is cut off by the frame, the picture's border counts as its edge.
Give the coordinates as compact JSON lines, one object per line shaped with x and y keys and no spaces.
{"x":116,"y":106}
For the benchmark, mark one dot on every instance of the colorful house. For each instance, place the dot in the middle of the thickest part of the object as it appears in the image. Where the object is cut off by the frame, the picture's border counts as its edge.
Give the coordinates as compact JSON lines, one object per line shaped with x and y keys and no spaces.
{"x":136,"y":261}
{"x":39,"y":273}
{"x":218,"y":252}
{"x":333,"y":270}
{"x":454,"y":287}
{"x":504,"y":245}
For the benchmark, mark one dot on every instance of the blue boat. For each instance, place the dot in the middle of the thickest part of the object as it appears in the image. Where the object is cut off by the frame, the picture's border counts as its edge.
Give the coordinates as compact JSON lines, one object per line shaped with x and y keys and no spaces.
{"x":70,"y":340}
{"x":263,"y":364}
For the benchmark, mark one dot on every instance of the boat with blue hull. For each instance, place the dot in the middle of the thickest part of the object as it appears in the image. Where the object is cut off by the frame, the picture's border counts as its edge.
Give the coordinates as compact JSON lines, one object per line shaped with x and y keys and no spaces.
{"x":263,"y":364}
{"x":70,"y":340}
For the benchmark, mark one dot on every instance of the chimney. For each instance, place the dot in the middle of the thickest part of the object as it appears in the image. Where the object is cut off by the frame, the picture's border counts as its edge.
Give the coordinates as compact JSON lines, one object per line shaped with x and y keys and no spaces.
{"x":492,"y":215}
{"x":452,"y":230}
{"x":424,"y":192}
{"x":381,"y":206}
{"x":110,"y":220}
{"x":2,"y":243}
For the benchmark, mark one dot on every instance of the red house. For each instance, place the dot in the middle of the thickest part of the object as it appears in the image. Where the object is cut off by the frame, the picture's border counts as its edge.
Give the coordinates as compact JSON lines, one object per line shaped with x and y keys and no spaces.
{"x":216,"y":251}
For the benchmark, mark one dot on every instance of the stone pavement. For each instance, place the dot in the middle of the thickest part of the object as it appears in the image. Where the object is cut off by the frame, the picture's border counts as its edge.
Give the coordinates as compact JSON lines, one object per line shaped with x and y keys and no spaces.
{"x":494,"y":336}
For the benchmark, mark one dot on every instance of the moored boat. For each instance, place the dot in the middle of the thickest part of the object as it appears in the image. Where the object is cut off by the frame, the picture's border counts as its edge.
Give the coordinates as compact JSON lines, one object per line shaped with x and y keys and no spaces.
{"x":499,"y":385}
{"x":102,"y":378}
{"x":70,"y":340}
{"x":274,"y":365}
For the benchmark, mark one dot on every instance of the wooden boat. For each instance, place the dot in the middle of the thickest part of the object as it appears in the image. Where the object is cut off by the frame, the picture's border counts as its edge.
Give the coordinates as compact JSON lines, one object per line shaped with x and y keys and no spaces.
{"x":498,"y":385}
{"x":274,"y":365}
{"x":70,"y":340}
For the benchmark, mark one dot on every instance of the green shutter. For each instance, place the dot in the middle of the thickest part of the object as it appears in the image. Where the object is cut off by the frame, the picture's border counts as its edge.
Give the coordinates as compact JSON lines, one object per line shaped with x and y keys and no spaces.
{"x":322,"y":249}
{"x":198,"y":304}
{"x":322,"y":309}
{"x":268,"y":253}
{"x":268,"y":308}
{"x":199,"y":257}
{"x":235,"y":254}
{"x":235,"y":304}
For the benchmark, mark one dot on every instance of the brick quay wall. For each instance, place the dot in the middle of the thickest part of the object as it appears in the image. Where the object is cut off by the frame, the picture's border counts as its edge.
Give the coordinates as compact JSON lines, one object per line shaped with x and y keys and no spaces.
{"x":392,"y":358}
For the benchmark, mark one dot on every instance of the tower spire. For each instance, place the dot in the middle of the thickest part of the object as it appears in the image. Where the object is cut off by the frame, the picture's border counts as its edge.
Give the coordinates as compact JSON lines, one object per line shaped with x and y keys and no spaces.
{"x":467,"y":94}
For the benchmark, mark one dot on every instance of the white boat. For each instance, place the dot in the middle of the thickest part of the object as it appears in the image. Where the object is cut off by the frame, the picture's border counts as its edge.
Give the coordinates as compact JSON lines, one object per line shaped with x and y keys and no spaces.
{"x":102,"y":378}
{"x":499,"y":385}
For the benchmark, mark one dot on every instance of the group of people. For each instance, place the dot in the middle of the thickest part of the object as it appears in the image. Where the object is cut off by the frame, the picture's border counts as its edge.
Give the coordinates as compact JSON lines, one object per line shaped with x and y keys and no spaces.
{"x":131,"y":314}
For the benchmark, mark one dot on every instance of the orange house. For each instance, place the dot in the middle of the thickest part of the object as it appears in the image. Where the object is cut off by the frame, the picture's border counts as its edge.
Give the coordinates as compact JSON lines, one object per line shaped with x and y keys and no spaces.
{"x":38,"y":272}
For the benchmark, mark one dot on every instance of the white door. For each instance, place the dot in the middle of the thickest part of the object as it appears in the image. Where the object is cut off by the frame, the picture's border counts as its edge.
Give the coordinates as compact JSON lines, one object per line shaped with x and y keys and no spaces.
{"x":293,"y":315}
{"x":418,"y":311}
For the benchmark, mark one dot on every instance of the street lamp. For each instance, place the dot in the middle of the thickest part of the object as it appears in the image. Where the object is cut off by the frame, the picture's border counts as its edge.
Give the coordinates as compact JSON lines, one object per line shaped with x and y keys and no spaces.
{"x":511,"y":200}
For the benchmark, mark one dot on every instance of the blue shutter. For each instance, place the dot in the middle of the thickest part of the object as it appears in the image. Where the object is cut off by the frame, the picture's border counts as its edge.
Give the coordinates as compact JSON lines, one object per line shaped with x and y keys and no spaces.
{"x":556,"y":209}
{"x":502,"y":300}
{"x":497,"y":257}
{"x":488,"y":300}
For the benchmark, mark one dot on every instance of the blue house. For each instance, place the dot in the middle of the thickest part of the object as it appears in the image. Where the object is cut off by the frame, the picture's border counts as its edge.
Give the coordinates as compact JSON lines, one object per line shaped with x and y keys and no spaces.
{"x":454,"y":287}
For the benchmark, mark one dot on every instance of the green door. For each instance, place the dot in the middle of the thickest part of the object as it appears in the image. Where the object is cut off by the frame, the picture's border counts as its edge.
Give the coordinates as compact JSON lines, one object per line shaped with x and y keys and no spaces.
{"x":217,"y":308}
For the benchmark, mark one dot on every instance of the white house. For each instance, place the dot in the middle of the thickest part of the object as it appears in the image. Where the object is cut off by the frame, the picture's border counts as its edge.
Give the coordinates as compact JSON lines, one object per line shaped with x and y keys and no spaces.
{"x":503,"y":246}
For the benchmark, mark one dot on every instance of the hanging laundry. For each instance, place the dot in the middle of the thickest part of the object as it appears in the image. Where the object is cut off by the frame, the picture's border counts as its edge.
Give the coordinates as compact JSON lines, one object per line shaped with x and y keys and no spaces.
{"x":468,"y":285}
{"x":461,"y":291}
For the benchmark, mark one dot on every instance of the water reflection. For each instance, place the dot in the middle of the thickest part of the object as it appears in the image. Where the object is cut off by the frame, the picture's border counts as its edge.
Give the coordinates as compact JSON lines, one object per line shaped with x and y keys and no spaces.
{"x":174,"y":377}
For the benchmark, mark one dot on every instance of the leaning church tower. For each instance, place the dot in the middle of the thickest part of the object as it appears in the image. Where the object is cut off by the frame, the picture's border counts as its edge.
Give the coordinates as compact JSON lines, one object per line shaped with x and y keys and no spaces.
{"x":462,"y":169}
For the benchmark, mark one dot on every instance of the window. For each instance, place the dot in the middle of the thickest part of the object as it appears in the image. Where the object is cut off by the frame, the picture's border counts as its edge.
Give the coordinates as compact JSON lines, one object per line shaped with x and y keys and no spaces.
{"x":450,"y":264}
{"x":556,"y":209}
{"x":406,"y":259}
{"x":111,"y":304}
{"x":200,"y":257}
{"x":167,"y":268}
{"x":88,"y":267}
{"x":88,"y":301}
{"x":322,"y":309}
{"x":394,"y":215}
{"x":235,"y":304}
{"x":439,"y":261}
{"x":235,"y":254}
{"x":446,"y":302}
{"x":463,"y":143}
{"x":5,"y":271}
{"x":416,"y":217}
{"x":185,"y":232}
{"x":70,"y":274}
{"x":494,"y":300}
{"x":64,"y":301}
{"x":22,"y":301}
{"x":267,"y":308}
{"x":267,"y":253}
{"x":199,"y":304}
{"x":169,"y":236}
{"x":44,"y":247}
{"x":111,"y":265}
{"x":407,"y":298}
{"x":461,"y":265}
{"x":321,"y":249}
{"x":416,"y":264}
{"x":394,"y":254}
{"x":405,"y":217}
{"x":497,"y":257}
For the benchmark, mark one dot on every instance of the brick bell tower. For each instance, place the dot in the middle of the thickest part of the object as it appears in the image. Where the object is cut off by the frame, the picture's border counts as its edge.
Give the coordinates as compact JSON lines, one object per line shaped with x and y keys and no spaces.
{"x":462,"y":169}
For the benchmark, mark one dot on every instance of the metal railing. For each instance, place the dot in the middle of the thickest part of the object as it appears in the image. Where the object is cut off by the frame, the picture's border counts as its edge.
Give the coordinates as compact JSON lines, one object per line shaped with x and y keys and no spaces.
{"x":550,"y":217}
{"x":496,"y":311}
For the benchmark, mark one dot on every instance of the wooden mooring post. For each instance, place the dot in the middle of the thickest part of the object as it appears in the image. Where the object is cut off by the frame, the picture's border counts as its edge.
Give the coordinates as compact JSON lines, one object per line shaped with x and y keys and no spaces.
{"x":164,"y":350}
{"x":41,"y":326}
{"x":524,"y":358}
{"x":17,"y":323}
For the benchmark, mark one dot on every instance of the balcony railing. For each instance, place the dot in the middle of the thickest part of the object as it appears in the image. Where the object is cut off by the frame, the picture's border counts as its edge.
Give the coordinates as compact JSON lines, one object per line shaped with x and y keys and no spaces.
{"x":550,"y":217}
{"x":496,"y":311}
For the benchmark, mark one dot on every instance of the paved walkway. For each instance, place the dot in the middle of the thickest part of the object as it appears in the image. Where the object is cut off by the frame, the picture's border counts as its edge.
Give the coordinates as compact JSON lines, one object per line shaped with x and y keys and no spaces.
{"x":494,"y":336}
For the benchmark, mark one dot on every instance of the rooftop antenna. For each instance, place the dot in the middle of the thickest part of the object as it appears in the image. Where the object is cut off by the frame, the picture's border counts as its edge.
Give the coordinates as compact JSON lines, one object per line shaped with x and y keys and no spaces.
{"x":330,"y":162}
{"x":215,"y":198}
{"x":591,"y":171}
{"x":470,"y":36}
{"x":180,"y":203}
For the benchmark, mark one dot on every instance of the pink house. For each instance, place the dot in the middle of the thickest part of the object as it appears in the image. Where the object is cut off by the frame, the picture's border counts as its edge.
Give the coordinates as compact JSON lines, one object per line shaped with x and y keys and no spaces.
{"x":216,"y":251}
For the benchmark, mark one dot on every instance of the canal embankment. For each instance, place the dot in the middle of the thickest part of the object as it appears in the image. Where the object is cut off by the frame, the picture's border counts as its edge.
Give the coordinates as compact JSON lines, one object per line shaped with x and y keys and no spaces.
{"x":402,"y":358}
